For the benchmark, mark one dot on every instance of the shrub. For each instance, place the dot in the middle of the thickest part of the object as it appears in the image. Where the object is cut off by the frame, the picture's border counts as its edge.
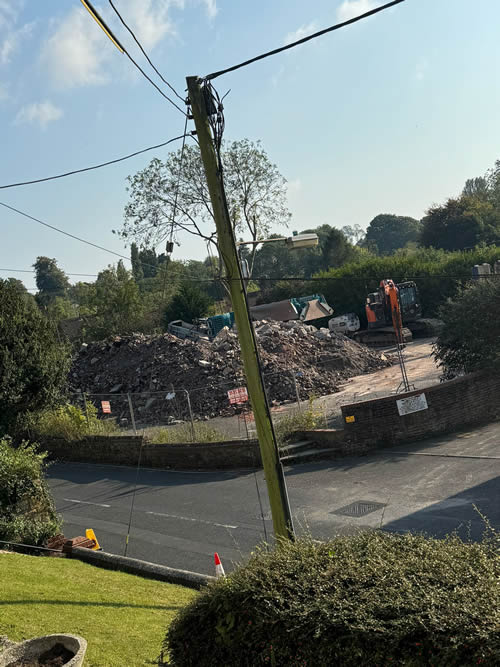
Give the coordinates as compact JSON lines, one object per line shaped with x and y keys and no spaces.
{"x":34,"y":365}
{"x":462,"y":347}
{"x":370,"y":599}
{"x":70,"y":423}
{"x":184,"y":434}
{"x":303,"y":420}
{"x":27,"y":512}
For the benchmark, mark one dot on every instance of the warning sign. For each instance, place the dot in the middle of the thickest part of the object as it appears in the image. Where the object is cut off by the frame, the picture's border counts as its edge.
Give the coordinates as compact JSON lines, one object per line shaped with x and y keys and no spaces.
{"x":412,"y":404}
{"x":239,"y":395}
{"x":106,"y":406}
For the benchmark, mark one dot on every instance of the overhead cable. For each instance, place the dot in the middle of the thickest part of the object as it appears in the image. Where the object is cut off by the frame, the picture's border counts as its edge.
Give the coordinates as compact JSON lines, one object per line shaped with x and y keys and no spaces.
{"x":95,"y":15}
{"x":96,"y":166}
{"x":214,"y":75}
{"x":144,"y":52}
{"x":179,"y":274}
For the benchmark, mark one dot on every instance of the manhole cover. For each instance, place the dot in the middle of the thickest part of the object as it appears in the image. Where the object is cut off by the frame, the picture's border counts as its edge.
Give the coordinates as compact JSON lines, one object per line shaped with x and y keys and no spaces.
{"x":359,"y":508}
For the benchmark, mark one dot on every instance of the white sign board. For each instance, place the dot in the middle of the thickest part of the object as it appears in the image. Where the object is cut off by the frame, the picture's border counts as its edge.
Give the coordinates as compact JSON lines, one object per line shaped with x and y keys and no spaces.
{"x":412,"y":404}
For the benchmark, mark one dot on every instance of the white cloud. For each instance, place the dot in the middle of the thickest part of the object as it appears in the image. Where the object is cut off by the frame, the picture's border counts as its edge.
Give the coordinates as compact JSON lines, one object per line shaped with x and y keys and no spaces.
{"x":11,"y":42}
{"x":38,"y":112}
{"x":351,"y":8}
{"x":8,"y":12}
{"x":76,"y":52}
{"x":211,"y":6}
{"x":301,"y":32}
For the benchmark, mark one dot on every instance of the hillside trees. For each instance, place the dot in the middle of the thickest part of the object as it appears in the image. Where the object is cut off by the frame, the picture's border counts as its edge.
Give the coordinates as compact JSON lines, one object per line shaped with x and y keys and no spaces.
{"x":388,"y":232}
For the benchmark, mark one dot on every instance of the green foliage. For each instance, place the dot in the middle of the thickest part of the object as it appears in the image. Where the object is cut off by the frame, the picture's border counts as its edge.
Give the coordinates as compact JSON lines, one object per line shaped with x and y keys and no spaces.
{"x":158,"y":198}
{"x":273,"y":260}
{"x":370,"y":599}
{"x":188,"y":304}
{"x":51,"y":281}
{"x":302,"y":420}
{"x":388,"y":232}
{"x":70,"y":423}
{"x":470,"y":339}
{"x":116,"y":302}
{"x":27,"y":512}
{"x":439,"y":275}
{"x":33,"y":363}
{"x":461,"y":223}
{"x":183,"y":433}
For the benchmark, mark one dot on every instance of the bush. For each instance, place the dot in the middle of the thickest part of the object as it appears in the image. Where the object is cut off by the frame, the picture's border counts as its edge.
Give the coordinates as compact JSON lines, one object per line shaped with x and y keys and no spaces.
{"x":302,"y":420}
{"x":70,"y":423}
{"x":27,"y":512}
{"x":372,"y":599}
{"x":34,"y":365}
{"x":469,"y":340}
{"x":184,"y":434}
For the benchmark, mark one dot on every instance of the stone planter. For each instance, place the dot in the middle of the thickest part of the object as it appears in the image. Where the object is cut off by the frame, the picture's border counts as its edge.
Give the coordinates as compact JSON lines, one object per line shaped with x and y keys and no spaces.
{"x":32,"y":649}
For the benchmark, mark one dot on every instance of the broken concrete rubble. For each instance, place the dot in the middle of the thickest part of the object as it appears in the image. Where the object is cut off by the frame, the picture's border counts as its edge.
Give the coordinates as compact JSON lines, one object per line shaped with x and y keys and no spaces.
{"x":297,"y":357}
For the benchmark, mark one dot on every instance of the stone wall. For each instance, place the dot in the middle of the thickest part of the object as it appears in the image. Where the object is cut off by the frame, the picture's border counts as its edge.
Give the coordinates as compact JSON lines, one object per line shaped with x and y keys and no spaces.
{"x":124,"y":450}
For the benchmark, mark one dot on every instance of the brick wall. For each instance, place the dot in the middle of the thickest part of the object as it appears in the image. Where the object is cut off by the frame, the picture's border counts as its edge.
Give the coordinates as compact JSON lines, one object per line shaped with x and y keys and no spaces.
{"x":453,"y":405}
{"x":124,"y":450}
{"x":460,"y":403}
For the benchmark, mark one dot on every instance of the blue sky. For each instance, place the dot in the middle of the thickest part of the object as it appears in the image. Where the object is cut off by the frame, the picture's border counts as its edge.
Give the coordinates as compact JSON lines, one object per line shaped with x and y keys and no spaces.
{"x":389,"y":115}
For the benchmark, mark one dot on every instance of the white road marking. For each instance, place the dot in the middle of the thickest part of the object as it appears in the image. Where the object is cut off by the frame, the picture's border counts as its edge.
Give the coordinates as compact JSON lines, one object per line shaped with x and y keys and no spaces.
{"x":187,"y":518}
{"x":85,"y":502}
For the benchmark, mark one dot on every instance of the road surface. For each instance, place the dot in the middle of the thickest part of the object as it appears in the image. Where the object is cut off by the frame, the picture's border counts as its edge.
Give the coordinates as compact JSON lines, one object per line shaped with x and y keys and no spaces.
{"x":181,"y":518}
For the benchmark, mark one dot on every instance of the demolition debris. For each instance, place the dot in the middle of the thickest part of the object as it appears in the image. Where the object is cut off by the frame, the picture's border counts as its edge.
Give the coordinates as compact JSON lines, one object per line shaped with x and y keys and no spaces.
{"x":297,"y":359}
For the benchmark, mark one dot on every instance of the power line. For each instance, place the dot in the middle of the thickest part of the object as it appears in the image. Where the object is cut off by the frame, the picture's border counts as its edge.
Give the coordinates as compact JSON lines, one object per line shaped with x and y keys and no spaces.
{"x":144,"y":52}
{"x":92,"y":11}
{"x":303,"y":40}
{"x":88,"y":275}
{"x":179,"y":274}
{"x":97,"y":166}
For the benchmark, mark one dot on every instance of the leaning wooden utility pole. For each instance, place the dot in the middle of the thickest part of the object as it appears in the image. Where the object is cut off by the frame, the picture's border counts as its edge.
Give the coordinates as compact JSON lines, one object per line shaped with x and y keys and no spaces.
{"x":273,"y":470}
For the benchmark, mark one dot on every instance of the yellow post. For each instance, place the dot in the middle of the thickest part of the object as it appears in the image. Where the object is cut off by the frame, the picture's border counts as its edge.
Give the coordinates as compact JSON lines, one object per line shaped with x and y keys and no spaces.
{"x":275,"y":478}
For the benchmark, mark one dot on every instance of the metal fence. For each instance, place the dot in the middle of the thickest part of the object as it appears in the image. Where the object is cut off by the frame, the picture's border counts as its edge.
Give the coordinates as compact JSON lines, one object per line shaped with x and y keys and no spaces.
{"x":206,"y":411}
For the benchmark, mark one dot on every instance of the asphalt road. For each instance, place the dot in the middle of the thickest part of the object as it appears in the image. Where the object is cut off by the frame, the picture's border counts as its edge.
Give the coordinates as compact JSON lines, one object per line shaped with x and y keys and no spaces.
{"x":181,"y":518}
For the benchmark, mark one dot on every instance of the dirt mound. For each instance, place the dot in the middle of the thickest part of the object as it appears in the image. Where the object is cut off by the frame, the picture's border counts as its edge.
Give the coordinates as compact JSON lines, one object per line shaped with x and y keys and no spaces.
{"x":295,"y":357}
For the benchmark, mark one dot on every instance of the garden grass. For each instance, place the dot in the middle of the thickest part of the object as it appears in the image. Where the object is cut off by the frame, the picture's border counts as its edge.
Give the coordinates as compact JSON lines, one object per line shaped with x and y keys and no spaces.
{"x":123,"y":617}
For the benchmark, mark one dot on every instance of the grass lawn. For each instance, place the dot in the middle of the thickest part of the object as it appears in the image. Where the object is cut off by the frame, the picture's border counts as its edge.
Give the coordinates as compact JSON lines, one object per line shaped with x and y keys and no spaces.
{"x":123,"y":617}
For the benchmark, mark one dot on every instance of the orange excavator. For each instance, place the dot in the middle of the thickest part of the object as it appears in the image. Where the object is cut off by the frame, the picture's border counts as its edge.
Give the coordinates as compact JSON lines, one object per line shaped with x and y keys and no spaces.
{"x":389,"y":311}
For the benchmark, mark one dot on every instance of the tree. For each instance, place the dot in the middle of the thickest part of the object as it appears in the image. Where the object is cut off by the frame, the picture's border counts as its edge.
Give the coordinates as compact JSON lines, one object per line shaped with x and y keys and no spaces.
{"x":137,"y":271}
{"x":50,"y":280}
{"x":470,"y":338}
{"x":33,"y":363}
{"x":476,"y":187}
{"x":353,"y":233}
{"x":460,"y":223}
{"x":188,"y":304}
{"x":166,"y":198}
{"x":389,"y":232}
{"x":116,"y":302}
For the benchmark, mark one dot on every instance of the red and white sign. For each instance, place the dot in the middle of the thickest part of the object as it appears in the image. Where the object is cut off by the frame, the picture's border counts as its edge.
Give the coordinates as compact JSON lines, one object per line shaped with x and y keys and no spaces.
{"x":106,"y":406}
{"x":239,"y":395}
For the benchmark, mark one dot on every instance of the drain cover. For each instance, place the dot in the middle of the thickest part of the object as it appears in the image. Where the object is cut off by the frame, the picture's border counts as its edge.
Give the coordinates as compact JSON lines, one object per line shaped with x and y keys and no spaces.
{"x":359,"y":508}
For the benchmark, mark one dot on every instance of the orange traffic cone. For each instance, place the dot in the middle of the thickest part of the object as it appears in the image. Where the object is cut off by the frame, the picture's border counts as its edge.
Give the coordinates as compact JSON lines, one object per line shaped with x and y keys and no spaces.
{"x":219,"y":570}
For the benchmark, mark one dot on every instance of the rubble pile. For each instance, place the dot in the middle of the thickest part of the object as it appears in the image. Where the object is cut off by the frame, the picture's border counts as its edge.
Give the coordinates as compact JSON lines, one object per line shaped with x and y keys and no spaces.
{"x":296,"y":358}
